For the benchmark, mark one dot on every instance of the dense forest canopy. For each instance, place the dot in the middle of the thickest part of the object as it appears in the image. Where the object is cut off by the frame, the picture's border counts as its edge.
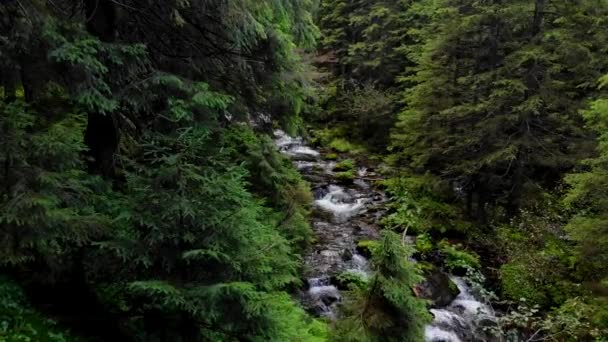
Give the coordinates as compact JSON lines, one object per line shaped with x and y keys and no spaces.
{"x":143,"y":197}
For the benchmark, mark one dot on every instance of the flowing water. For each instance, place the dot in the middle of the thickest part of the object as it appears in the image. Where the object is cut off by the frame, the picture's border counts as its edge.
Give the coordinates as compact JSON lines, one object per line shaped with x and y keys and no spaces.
{"x":345,"y":214}
{"x":463,"y":319}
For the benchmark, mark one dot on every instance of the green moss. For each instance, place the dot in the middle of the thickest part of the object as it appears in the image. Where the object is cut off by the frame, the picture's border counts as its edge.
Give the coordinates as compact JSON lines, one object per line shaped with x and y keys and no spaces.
{"x":341,"y":145}
{"x":317,"y":168}
{"x":331,"y":156}
{"x":345,"y":177}
{"x":366,"y":247}
{"x":345,"y":146}
{"x":345,"y":165}
{"x":516,"y":284}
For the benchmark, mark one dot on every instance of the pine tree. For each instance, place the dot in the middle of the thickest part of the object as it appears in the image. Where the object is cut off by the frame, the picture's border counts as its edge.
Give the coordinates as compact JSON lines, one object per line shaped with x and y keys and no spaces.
{"x":366,"y":41}
{"x":179,"y":240}
{"x":587,"y":195}
{"x":385,"y":308}
{"x":494,"y":111}
{"x":48,"y":200}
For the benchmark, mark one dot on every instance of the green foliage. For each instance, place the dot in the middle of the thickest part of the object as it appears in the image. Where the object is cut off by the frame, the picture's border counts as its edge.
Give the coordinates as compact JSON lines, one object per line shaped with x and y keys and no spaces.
{"x":363,"y":45}
{"x":331,"y":156}
{"x":494,"y":110}
{"x":351,"y":280}
{"x":336,"y":138}
{"x":424,"y":244}
{"x":366,"y":247}
{"x":385,"y":309}
{"x":199,"y":219}
{"x":418,"y":206}
{"x":586,"y":317}
{"x":345,"y":177}
{"x":344,"y":146}
{"x":47,"y":203}
{"x":517,"y":284}
{"x":20,"y":323}
{"x":579,"y":319}
{"x":345,"y":165}
{"x":273,"y":176}
{"x":215,"y":257}
{"x":539,"y":262}
{"x":586,"y":195}
{"x":456,"y":258}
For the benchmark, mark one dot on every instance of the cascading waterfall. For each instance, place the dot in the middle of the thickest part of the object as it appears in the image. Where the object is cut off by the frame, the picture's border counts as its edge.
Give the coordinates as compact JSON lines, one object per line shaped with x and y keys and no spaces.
{"x":347,"y":214}
{"x":462,"y":320}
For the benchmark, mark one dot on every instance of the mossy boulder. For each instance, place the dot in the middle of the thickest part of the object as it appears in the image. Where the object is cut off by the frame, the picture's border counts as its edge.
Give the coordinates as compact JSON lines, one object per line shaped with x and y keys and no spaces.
{"x":346,"y":177}
{"x":437,"y":287}
{"x":331,"y":156}
{"x":366,"y":247}
{"x":345,"y":165}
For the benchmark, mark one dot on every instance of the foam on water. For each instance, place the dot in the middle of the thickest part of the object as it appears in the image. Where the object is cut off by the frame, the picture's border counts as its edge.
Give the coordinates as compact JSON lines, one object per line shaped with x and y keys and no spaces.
{"x":341,"y":204}
{"x":443,"y":317}
{"x":435,"y":334}
{"x":302,"y":150}
{"x":325,"y":295}
{"x":460,"y":319}
{"x":284,"y":141}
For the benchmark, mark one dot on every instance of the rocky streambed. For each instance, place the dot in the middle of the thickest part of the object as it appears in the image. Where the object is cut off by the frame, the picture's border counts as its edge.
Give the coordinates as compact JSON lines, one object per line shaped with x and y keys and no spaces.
{"x":346,"y":213}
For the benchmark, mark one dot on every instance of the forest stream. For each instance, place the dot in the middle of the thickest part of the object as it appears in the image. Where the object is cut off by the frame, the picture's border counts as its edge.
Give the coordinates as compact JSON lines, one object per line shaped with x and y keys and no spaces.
{"x":345,"y":214}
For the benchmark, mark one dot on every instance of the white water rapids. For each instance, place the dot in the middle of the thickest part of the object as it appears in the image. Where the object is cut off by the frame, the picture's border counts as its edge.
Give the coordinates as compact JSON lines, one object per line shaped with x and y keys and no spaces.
{"x":344,"y":216}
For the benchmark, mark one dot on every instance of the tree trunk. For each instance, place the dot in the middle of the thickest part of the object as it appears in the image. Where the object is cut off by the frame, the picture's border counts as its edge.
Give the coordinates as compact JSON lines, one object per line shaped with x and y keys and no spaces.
{"x":102,"y":133}
{"x":539,"y":14}
{"x":10,"y":77}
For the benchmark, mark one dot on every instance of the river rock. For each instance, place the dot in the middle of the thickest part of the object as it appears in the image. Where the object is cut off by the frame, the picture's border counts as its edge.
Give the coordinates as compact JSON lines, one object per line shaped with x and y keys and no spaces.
{"x":312,"y":178}
{"x":304,"y":156}
{"x":438,"y":288}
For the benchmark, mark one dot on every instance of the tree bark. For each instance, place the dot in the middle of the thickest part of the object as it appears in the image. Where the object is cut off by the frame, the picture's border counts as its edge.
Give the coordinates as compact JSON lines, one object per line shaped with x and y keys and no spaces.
{"x":102,"y":133}
{"x":539,"y":14}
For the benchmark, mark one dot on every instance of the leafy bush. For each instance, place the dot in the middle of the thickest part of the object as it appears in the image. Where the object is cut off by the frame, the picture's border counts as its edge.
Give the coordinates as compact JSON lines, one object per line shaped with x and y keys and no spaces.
{"x":337,"y":139}
{"x":325,"y":136}
{"x":456,"y":259}
{"x":419,"y":204}
{"x":367,"y":247}
{"x":351,"y":280}
{"x":516,"y":284}
{"x":343,"y":145}
{"x":424,"y":244}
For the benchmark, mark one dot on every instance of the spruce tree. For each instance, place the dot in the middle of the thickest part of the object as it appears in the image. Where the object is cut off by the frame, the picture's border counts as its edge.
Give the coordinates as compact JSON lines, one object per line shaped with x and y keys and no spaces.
{"x":495,"y":109}
{"x":384,"y":308}
{"x":121,"y":169}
